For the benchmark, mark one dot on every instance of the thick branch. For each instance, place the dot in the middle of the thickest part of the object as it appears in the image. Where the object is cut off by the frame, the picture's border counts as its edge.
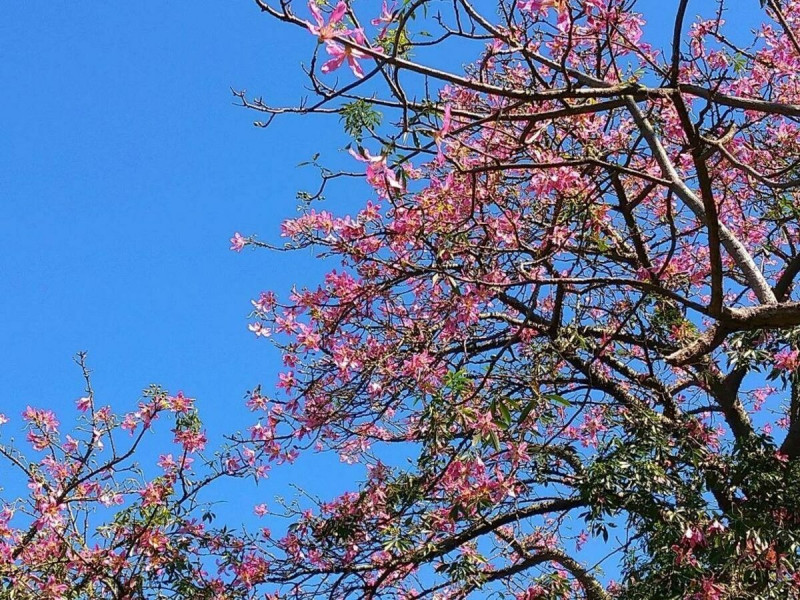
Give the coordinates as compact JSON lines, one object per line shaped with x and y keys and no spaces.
{"x":770,"y":316}
{"x":734,"y":247}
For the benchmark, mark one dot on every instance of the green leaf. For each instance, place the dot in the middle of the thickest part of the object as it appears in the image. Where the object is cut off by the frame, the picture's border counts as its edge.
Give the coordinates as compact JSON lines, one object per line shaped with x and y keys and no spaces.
{"x":558,"y":399}
{"x":503,"y":415}
{"x":495,"y":440}
{"x":359,"y":116}
{"x":527,"y":410}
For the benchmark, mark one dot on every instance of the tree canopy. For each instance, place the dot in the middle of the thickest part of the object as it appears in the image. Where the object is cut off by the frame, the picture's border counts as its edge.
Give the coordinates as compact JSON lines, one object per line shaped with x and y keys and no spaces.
{"x":560,"y":333}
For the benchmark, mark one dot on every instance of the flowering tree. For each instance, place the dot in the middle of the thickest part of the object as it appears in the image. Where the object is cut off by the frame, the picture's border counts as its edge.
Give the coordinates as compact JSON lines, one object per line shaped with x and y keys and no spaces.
{"x":561,"y":334}
{"x":99,"y":524}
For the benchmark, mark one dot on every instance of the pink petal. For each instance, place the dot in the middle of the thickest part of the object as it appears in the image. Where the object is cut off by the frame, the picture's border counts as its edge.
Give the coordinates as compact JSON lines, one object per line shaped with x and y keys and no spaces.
{"x":446,"y":120}
{"x":333,"y":63}
{"x":357,"y":156}
{"x":355,"y":67}
{"x":338,"y":12}
{"x":358,"y":37}
{"x":334,"y":49}
{"x":563,"y":23}
{"x":392,"y":180}
{"x":315,"y":12}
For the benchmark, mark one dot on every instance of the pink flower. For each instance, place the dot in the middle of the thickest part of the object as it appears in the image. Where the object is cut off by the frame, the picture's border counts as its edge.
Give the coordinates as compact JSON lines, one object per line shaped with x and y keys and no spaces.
{"x":385,"y":18}
{"x":715,"y":527}
{"x":84,"y":403}
{"x":357,"y":35}
{"x":260,"y":510}
{"x":266,"y":302}
{"x":693,"y":537}
{"x":583,"y":537}
{"x":167,"y":462}
{"x":3,"y":419}
{"x":340,"y":54}
{"x":537,"y":6}
{"x":238,"y":242}
{"x":378,"y":172}
{"x":152,"y":494}
{"x":55,"y":590}
{"x":180,"y":403}
{"x":129,"y":423}
{"x":787,"y":360}
{"x":533,"y":6}
{"x":70,"y":445}
{"x":259,"y":329}
{"x":710,"y":590}
{"x":563,"y":22}
{"x":326,"y":31}
{"x":442,"y":133}
{"x":44,"y":419}
{"x":192,"y":441}
{"x":111,"y":498}
{"x":232,"y":464}
{"x":446,"y":121}
{"x":286,"y":381}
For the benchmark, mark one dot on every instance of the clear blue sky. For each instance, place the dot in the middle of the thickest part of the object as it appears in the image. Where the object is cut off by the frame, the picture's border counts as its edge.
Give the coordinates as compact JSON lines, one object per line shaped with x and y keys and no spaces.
{"x":124,"y":170}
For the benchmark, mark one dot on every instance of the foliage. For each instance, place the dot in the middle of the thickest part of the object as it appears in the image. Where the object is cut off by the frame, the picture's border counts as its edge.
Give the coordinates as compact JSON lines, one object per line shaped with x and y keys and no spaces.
{"x":358,"y":116}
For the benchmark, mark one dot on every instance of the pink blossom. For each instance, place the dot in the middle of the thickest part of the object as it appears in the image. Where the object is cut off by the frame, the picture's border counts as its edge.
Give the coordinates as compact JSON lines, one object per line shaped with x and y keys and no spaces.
{"x":326,"y":31}
{"x":266,"y":302}
{"x":446,"y":121}
{"x":386,"y":17}
{"x":232,"y":464}
{"x":787,"y":360}
{"x":259,"y":330}
{"x":167,"y":462}
{"x":710,"y":590}
{"x":152,"y":494}
{"x":238,"y":242}
{"x":192,"y":441}
{"x":180,"y":403}
{"x":339,"y":54}
{"x":537,"y":6}
{"x":715,"y":527}
{"x":378,"y":172}
{"x":533,"y":6}
{"x":44,"y":419}
{"x":129,"y":423}
{"x":111,"y":498}
{"x":54,"y":590}
{"x":440,"y":135}
{"x":70,"y":445}
{"x":583,"y":537}
{"x":693,"y":537}
{"x":286,"y":381}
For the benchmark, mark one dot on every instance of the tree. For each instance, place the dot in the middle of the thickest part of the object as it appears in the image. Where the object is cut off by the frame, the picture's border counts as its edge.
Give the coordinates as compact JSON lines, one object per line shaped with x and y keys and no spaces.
{"x":563,"y":333}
